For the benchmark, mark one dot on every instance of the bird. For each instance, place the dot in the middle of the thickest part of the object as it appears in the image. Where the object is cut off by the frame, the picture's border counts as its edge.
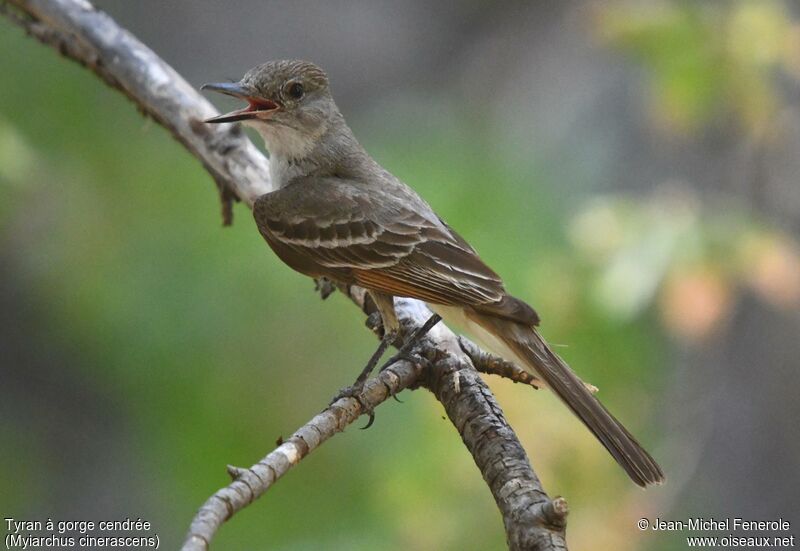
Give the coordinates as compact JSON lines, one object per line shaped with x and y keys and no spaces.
{"x":335,"y":213}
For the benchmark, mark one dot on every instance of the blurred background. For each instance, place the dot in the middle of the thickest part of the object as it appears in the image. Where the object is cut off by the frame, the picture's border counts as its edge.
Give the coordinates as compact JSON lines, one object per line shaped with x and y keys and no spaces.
{"x":647,"y":152}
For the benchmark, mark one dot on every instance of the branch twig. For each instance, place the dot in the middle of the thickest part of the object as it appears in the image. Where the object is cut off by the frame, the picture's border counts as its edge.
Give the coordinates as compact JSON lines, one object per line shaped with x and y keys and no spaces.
{"x":495,"y":365}
{"x":532,"y":521}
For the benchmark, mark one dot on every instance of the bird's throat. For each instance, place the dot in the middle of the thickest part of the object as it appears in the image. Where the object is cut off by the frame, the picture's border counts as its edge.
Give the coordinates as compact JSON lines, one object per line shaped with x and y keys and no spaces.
{"x":288,"y":150}
{"x":283,"y":170}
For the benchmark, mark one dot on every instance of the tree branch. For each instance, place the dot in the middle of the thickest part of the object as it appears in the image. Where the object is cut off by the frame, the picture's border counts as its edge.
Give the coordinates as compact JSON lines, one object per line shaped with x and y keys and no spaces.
{"x":249,"y":484}
{"x":532,"y":521}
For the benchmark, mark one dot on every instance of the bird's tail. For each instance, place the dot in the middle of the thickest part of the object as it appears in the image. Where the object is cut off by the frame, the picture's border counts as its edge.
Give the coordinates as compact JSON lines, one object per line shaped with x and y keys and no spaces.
{"x":530,"y":348}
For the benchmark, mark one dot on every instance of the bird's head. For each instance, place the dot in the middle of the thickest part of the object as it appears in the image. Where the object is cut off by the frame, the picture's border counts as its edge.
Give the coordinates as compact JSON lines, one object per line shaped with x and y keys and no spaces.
{"x":288,"y":103}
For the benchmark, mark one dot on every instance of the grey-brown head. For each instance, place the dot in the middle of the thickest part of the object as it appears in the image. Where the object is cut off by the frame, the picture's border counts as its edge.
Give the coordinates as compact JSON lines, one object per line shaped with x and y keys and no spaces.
{"x":289,"y":104}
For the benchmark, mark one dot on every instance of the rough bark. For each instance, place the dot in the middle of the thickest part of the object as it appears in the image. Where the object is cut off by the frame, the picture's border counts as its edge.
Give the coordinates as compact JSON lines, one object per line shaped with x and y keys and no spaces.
{"x":532,"y":521}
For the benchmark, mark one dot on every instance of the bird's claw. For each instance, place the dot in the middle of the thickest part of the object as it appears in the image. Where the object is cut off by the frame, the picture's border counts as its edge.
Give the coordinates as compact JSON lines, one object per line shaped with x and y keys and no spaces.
{"x":408,"y":355}
{"x":352,"y":391}
{"x":371,"y":420}
{"x":356,"y":391}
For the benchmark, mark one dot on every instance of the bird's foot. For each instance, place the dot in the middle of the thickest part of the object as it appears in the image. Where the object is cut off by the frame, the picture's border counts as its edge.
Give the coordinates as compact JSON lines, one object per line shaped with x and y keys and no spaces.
{"x":411,"y":356}
{"x":356,"y":391}
{"x":357,"y":388}
{"x":407,"y":351}
{"x":353,"y":391}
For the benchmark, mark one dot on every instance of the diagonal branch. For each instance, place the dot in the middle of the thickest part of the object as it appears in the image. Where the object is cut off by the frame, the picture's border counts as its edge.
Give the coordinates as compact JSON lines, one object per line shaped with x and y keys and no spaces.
{"x":532,"y":521}
{"x":249,"y":484}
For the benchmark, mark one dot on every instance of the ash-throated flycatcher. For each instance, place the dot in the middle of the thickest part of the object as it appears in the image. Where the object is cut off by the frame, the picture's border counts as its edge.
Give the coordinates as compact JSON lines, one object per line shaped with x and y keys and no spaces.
{"x":337,"y":214}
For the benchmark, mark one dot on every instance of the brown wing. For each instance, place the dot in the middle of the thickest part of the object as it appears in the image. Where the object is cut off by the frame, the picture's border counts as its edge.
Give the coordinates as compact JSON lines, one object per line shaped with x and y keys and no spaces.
{"x":383,"y":244}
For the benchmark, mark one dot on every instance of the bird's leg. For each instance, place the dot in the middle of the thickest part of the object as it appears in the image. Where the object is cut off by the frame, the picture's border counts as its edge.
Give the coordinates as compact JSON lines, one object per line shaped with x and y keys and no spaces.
{"x":391,"y":328}
{"x":388,"y":338}
{"x":405,"y":352}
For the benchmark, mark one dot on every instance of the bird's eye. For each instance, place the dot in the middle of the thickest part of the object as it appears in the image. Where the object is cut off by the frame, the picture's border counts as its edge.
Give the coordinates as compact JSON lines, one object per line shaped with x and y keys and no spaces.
{"x":296,"y":90}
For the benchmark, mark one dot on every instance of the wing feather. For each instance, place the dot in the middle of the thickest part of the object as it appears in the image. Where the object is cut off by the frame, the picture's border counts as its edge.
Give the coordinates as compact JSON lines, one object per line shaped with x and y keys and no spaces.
{"x":333,"y":227}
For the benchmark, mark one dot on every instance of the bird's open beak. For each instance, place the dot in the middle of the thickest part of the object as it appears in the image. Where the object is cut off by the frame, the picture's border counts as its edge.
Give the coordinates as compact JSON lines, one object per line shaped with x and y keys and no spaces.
{"x":257,"y":108}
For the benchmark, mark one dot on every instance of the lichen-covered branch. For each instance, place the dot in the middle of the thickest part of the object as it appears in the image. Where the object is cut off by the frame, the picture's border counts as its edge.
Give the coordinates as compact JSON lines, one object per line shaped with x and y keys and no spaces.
{"x":500,"y":457}
{"x":249,"y":484}
{"x":532,"y":521}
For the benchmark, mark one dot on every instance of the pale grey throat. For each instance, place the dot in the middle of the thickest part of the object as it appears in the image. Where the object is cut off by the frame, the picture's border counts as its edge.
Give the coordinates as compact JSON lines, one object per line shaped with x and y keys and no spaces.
{"x":289,"y":151}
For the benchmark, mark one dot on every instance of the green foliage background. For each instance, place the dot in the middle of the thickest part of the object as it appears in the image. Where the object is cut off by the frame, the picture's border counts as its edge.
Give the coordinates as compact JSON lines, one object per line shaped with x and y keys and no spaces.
{"x":187,"y":346}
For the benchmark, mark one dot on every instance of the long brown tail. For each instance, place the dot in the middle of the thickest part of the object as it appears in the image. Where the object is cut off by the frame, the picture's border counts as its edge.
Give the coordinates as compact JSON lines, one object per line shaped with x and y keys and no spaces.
{"x":529,"y":346}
